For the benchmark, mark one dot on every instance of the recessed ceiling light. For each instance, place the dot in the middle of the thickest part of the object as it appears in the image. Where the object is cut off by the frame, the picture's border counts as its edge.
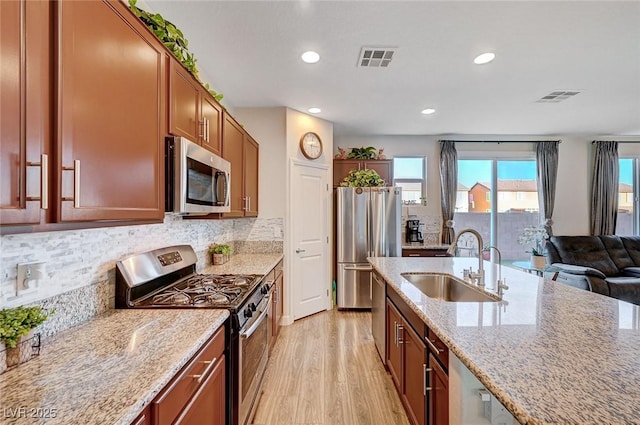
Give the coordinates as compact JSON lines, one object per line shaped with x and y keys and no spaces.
{"x":315,"y":110}
{"x":310,"y":57}
{"x":428,"y":111}
{"x":484,"y":58}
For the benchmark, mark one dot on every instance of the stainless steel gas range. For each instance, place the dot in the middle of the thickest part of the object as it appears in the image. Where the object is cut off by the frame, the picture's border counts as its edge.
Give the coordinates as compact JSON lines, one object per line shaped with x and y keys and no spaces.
{"x":166,"y":278}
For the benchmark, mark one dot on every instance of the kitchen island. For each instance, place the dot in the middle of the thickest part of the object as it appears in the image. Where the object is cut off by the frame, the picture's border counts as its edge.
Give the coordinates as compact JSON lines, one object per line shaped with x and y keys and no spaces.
{"x":107,"y":370}
{"x":550,"y":353}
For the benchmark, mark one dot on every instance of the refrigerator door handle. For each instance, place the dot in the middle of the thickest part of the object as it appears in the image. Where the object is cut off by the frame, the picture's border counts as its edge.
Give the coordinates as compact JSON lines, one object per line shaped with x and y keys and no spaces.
{"x":359,"y":269}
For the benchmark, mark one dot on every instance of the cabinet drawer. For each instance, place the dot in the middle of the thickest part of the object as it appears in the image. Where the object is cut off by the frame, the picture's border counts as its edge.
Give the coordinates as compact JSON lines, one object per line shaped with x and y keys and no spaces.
{"x":424,"y":253}
{"x":438,"y":348}
{"x":173,"y":398}
{"x":279,"y":268}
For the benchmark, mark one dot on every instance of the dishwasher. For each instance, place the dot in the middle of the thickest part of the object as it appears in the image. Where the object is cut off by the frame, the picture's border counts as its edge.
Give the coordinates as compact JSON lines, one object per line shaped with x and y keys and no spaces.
{"x":378,"y":310}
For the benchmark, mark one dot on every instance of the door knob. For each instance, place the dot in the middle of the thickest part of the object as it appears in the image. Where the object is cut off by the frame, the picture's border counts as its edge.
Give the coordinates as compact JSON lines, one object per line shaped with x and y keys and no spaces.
{"x":298,"y":251}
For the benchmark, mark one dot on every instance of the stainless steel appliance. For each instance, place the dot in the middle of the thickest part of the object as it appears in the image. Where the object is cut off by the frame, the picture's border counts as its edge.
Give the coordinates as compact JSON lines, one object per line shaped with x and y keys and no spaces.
{"x":368,"y":225}
{"x":198,"y":181}
{"x":378,"y":311}
{"x":166,"y":278}
{"x":412,"y":231}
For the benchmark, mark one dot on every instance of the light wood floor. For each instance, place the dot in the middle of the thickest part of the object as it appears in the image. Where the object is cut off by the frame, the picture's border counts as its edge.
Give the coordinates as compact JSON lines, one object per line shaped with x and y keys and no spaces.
{"x":325,"y":370}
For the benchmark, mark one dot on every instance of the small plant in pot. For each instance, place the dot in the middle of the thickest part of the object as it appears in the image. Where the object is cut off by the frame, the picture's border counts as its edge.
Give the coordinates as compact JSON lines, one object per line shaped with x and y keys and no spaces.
{"x":16,"y":326}
{"x":362,"y":178}
{"x":219,"y":253}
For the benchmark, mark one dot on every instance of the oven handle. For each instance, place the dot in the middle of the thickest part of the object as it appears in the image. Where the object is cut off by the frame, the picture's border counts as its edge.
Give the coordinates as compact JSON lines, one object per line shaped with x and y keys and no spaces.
{"x":258,"y":322}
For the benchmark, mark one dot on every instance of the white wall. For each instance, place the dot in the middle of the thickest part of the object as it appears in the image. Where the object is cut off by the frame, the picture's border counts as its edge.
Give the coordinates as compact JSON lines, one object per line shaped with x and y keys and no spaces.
{"x":571,"y":212}
{"x":268,"y":127}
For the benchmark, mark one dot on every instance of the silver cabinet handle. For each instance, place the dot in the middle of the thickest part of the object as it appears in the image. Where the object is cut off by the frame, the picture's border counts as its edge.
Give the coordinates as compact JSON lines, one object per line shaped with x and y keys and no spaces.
{"x":210,"y":364}
{"x":202,"y":124}
{"x":244,"y":199}
{"x":425,"y":370}
{"x":433,"y":347}
{"x":298,"y":251}
{"x":76,"y":183}
{"x":395,"y":336}
{"x":400,"y":332}
{"x":206,"y":130}
{"x":44,"y":181}
{"x":249,"y":203}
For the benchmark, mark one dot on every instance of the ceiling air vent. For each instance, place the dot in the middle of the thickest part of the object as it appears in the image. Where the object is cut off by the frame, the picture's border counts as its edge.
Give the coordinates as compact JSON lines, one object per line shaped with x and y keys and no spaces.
{"x":375,"y":57}
{"x":558,"y":96}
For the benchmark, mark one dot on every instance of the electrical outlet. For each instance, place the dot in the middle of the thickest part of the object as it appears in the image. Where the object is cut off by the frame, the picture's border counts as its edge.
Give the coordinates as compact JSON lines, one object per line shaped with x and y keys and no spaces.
{"x":29,"y":274}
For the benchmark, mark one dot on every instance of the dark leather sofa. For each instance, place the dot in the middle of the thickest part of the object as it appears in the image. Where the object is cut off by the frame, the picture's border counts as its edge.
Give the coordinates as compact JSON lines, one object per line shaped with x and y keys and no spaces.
{"x":608,"y":265}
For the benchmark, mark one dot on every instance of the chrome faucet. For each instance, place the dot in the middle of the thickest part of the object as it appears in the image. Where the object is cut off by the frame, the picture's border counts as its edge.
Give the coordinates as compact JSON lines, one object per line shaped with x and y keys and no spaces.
{"x":500,"y":285}
{"x":479,"y":276}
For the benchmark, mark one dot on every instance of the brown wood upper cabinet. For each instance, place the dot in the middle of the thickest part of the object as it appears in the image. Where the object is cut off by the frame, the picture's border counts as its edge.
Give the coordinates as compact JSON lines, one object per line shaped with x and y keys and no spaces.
{"x":109,"y":115}
{"x":25,"y":121}
{"x":341,"y":168}
{"x":111,"y":109}
{"x":242,"y":152}
{"x":193,"y":112}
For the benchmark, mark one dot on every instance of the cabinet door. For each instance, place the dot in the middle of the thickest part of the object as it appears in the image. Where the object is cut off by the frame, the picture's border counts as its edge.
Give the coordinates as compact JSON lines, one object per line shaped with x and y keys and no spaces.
{"x":184,"y":98}
{"x":212,"y":124}
{"x":438,"y":394}
{"x":251,"y":151}
{"x":414,"y":360}
{"x":25,"y":120}
{"x":143,"y":418}
{"x":384,"y":167}
{"x":207,"y":407}
{"x":341,"y":168}
{"x":111,"y":112}
{"x":232,"y":147}
{"x":394,"y":344}
{"x":279,"y":303}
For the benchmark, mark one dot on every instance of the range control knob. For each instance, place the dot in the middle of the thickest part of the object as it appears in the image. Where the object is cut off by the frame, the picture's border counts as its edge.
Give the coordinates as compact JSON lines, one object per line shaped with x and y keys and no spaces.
{"x":253,"y":307}
{"x":265,"y":289}
{"x":248,"y":313}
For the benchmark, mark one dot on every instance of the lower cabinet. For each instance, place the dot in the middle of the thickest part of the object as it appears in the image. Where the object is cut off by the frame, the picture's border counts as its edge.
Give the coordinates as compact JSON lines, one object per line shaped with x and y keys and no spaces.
{"x":406,"y":360}
{"x":438,"y":406}
{"x":276,"y":308}
{"x":197,"y":394}
{"x":417,"y":361}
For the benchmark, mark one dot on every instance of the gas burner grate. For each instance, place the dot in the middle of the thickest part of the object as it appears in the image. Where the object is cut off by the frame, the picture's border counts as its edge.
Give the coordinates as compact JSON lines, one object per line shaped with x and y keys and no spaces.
{"x":206,"y":291}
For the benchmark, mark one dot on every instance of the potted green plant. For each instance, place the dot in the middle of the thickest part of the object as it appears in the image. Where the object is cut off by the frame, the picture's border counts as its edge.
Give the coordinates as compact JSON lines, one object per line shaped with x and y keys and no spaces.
{"x":363,"y":153}
{"x":17,"y":325}
{"x":536,"y":238}
{"x":219,"y":253}
{"x":362,"y":178}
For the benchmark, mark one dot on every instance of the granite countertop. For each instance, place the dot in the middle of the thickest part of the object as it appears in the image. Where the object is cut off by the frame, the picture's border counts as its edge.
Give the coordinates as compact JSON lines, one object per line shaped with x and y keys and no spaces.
{"x":246,"y":264}
{"x":425,"y":246}
{"x":550,"y":353}
{"x":107,"y":370}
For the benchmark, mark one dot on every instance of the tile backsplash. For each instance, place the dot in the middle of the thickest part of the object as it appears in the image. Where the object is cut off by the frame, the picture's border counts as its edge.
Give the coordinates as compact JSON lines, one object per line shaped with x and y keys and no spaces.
{"x":430,"y":225}
{"x":79,"y":275}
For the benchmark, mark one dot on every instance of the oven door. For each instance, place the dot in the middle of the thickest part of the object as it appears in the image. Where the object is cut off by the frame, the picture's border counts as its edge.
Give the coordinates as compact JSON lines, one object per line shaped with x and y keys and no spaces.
{"x":253,"y":359}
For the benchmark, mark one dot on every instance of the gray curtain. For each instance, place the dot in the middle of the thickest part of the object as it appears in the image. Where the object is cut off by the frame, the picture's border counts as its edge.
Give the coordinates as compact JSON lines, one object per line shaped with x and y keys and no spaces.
{"x":547,"y":172}
{"x":604,"y":189}
{"x":448,"y":187}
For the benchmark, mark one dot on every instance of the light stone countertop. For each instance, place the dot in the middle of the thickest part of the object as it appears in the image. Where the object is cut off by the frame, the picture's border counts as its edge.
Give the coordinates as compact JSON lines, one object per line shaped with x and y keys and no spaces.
{"x":107,"y":370}
{"x":246,"y":264}
{"x":550,"y":353}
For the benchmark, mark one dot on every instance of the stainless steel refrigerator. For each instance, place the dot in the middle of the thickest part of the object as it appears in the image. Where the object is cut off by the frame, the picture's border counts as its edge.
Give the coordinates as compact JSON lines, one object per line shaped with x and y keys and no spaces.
{"x":367,"y":225}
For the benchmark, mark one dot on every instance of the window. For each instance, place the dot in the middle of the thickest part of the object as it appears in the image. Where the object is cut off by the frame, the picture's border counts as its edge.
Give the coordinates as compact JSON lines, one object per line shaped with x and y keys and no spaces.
{"x":409,"y":174}
{"x":628,"y":220}
{"x":499,"y":219}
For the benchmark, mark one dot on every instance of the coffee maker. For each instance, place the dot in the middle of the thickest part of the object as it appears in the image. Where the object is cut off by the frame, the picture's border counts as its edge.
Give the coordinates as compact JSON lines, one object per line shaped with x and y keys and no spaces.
{"x":412,"y":233}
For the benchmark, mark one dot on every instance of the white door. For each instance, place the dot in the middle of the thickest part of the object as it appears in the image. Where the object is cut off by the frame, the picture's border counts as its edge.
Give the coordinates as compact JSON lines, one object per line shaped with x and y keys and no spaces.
{"x":309,"y":232}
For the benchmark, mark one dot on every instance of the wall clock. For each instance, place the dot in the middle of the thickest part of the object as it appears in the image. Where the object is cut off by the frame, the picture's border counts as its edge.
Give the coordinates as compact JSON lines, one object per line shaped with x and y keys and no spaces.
{"x":311,"y":145}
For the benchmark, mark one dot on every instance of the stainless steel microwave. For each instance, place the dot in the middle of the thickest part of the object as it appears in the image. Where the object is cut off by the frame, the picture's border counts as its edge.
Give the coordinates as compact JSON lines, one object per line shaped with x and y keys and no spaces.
{"x":198,"y":181}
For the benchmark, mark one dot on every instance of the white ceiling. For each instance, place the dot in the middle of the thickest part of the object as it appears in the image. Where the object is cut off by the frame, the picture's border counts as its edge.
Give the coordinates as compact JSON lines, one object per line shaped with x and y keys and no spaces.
{"x":250,"y":51}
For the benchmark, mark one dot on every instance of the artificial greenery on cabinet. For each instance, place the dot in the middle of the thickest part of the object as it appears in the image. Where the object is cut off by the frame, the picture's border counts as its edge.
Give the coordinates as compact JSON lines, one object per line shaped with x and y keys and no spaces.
{"x":173,"y":39}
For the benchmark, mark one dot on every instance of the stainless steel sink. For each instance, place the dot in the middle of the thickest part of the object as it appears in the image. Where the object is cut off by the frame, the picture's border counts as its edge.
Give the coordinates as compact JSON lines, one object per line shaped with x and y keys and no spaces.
{"x":448,"y":288}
